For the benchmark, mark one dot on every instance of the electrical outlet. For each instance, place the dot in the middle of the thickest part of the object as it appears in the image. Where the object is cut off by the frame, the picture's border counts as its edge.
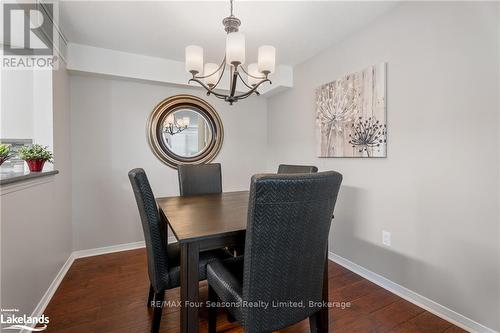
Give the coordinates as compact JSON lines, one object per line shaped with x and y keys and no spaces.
{"x":386,"y":238}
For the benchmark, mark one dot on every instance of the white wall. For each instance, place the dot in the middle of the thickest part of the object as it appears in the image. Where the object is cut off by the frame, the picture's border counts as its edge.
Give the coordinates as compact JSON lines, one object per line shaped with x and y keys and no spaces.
{"x":437,"y":191}
{"x":36,"y":219}
{"x":16,"y":117}
{"x":108,"y":134}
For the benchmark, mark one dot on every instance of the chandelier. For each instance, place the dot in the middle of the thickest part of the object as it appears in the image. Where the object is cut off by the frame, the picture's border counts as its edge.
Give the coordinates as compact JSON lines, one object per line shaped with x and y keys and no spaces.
{"x":209,"y":75}
{"x":174,"y":125}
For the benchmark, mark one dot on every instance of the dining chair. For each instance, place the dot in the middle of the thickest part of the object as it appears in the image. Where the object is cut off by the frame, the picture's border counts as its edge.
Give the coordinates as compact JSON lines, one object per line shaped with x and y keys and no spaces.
{"x":195,"y":179}
{"x":163,"y":258}
{"x":286,"y":246}
{"x":289,"y":168}
{"x":198,"y":179}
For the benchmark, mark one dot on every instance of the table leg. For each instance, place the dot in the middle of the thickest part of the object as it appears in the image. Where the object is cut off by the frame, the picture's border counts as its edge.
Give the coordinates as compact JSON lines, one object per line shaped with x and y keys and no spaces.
{"x":323,"y":314}
{"x":189,"y":287}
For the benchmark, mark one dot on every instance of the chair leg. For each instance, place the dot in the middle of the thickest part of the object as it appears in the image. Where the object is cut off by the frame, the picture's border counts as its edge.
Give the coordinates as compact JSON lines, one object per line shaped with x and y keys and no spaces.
{"x":239,"y":250}
{"x":212,"y":311}
{"x":314,"y":322}
{"x":158,"y":309}
{"x":150,"y":296}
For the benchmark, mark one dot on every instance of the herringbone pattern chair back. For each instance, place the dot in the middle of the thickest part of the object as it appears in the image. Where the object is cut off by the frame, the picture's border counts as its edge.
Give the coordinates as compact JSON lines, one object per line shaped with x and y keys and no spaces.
{"x":154,"y":229}
{"x":289,"y":220}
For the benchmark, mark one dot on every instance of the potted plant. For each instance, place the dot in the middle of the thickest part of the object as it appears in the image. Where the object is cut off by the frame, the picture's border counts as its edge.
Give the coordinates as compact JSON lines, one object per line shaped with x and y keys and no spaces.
{"x":5,"y":152}
{"x":35,"y":156}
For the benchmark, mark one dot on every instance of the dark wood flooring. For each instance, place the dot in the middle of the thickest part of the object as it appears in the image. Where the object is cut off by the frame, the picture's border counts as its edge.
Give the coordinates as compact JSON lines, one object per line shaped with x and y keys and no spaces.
{"x":108,"y":293}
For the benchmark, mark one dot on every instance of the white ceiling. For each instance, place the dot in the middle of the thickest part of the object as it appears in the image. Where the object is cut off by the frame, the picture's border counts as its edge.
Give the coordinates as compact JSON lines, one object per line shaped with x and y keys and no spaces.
{"x":298,"y":29}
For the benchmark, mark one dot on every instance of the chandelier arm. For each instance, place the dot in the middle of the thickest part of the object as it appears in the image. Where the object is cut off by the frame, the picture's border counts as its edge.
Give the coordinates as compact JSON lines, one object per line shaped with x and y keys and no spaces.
{"x":246,"y":84}
{"x":223,"y":66}
{"x":218,"y":69}
{"x":243,"y":97}
{"x":224,"y":97}
{"x":233,"y":96}
{"x":248,"y":93}
{"x":255,"y":77}
{"x":206,"y":87}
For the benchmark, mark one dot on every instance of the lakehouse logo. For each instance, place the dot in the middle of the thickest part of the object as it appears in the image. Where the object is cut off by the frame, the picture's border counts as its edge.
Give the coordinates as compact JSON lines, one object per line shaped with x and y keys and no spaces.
{"x":10,"y":320}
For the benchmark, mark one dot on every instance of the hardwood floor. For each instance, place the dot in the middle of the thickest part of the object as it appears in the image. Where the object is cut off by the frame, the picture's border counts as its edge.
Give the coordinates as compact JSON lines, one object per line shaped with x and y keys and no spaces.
{"x":108,"y":293}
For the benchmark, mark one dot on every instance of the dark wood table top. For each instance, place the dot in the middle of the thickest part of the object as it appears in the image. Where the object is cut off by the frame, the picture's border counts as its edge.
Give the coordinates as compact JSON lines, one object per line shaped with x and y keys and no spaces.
{"x":203,"y":216}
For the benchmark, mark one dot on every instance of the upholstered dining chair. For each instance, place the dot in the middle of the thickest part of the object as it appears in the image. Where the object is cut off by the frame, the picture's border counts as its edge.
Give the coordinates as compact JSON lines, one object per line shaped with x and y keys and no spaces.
{"x":163,"y":258}
{"x":197,"y":179}
{"x":289,"y":168}
{"x":286,"y":245}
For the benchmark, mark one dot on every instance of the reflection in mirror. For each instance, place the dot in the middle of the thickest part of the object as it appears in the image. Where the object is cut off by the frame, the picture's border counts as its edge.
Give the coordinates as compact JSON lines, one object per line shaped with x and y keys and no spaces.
{"x":185,"y":129}
{"x":186,"y":132}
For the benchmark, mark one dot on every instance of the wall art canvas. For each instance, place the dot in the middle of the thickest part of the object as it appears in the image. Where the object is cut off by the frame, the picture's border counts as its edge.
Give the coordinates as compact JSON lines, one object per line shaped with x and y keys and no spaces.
{"x":351,"y":115}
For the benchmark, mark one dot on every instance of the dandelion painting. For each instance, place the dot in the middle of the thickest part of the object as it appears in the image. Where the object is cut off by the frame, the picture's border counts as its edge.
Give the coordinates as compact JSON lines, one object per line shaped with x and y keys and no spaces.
{"x":351,"y":115}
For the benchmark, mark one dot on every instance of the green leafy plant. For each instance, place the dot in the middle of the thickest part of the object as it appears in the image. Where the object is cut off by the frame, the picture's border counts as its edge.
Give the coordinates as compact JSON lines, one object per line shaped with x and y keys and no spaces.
{"x":35,"y":152}
{"x":5,"y":152}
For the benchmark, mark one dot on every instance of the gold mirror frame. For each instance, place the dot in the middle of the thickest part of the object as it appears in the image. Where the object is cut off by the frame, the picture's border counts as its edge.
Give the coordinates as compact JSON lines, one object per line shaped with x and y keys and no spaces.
{"x":171,"y":104}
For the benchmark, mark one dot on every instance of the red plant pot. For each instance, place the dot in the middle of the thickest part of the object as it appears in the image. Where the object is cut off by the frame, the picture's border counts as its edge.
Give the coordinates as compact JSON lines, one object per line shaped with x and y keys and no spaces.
{"x":35,"y":165}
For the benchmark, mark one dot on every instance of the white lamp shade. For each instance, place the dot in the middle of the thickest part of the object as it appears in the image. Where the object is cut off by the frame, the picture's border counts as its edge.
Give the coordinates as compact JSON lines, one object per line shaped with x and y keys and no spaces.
{"x":194,"y":59}
{"x":169,"y":120}
{"x":185,"y":121}
{"x":253,"y":70}
{"x":235,"y":48}
{"x":211,"y":69}
{"x":267,"y":59}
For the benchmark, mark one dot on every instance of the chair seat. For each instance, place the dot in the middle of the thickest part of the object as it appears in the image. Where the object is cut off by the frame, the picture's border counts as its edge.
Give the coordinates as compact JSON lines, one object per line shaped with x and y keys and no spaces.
{"x":226,"y":278}
{"x":174,"y":263}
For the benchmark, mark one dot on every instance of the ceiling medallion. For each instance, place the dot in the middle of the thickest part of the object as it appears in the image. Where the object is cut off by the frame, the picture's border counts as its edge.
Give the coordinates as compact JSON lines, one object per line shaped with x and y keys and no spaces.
{"x":209,"y":75}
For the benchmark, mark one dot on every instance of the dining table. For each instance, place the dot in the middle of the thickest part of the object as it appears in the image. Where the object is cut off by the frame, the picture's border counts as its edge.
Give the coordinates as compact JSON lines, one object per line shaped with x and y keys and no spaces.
{"x":207,"y":222}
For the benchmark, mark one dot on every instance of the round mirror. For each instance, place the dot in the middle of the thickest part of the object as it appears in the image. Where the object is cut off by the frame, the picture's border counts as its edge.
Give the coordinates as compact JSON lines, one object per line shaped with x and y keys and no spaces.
{"x":186,"y":132}
{"x":184,"y":129}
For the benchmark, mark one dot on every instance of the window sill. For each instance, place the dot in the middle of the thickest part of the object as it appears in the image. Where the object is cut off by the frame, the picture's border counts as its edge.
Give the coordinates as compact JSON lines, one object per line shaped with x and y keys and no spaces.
{"x":16,"y":177}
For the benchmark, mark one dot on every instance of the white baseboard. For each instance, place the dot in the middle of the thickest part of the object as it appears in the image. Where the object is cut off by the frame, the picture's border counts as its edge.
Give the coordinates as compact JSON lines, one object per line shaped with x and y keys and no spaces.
{"x":411,"y":296}
{"x":42,"y":305}
{"x":114,"y":248}
{"x":108,"y":249}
